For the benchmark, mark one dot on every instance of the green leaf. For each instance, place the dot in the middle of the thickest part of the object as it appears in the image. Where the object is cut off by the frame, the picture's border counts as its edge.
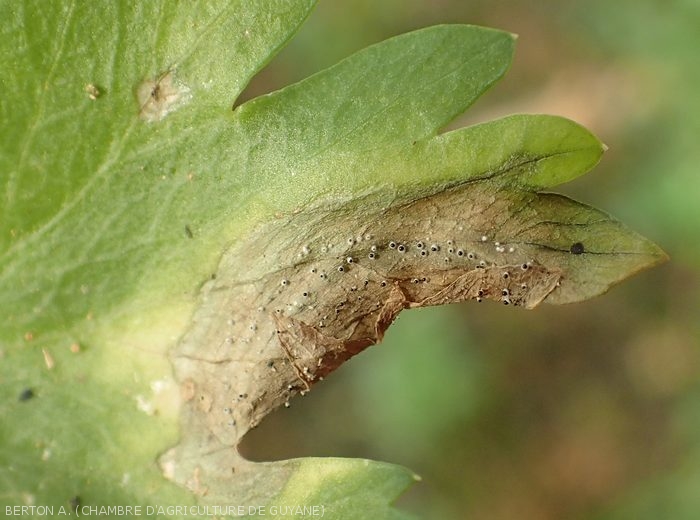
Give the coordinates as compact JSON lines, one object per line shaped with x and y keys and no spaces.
{"x":334,"y":130}
{"x":82,"y":234}
{"x":141,"y":216}
{"x":342,"y":488}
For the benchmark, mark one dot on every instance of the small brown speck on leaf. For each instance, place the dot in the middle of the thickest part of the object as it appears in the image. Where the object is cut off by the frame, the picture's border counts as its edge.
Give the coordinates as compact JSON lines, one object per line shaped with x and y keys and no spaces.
{"x":92,"y":91}
{"x":48,"y":359}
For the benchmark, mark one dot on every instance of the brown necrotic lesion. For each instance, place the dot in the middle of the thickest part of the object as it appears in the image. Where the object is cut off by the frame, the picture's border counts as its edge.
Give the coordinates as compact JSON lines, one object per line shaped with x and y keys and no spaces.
{"x":274,"y":322}
{"x":160,"y":96}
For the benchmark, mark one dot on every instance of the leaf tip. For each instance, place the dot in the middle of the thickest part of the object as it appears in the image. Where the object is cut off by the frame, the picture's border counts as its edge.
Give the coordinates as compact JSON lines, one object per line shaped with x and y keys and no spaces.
{"x":657,"y":256}
{"x":609,"y":266}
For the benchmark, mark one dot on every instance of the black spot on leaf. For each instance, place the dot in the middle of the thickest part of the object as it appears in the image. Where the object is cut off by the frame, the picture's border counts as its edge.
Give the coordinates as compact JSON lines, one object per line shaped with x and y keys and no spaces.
{"x":26,"y":394}
{"x":577,"y":248}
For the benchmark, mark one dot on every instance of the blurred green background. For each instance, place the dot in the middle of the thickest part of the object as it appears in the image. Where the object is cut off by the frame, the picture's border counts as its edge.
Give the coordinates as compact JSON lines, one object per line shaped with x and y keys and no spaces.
{"x":585,"y":411}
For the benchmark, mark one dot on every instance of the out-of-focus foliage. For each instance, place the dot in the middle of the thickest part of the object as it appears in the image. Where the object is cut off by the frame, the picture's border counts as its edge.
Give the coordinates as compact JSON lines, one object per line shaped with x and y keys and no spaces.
{"x":564,"y":412}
